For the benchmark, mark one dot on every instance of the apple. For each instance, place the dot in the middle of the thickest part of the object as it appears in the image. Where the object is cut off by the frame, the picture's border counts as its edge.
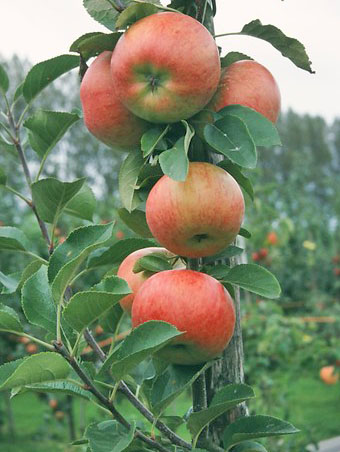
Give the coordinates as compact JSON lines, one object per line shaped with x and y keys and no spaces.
{"x":250,"y":84}
{"x":328,"y":376}
{"x":104,"y":114}
{"x":165,"y":67}
{"x":255,"y":256}
{"x":194,"y":303}
{"x":198,"y":217}
{"x":263,"y":253}
{"x":135,"y":280}
{"x":272,"y":238}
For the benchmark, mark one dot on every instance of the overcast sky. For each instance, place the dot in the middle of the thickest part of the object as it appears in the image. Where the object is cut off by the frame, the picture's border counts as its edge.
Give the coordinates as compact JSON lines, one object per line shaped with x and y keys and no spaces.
{"x":42,"y":29}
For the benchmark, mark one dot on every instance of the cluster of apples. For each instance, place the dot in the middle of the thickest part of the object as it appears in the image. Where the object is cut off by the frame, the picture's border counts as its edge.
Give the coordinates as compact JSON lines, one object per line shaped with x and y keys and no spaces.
{"x":166,"y":68}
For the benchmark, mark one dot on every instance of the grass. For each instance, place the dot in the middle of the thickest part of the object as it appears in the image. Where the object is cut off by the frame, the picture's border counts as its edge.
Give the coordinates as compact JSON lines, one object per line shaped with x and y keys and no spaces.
{"x":306,"y":402}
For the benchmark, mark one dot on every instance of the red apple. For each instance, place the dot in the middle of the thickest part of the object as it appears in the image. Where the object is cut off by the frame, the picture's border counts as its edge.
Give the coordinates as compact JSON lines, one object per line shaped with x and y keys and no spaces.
{"x":250,"y":84}
{"x":328,"y":375}
{"x":198,"y":217}
{"x":193,"y":302}
{"x":263,"y":253}
{"x":165,"y":67}
{"x":255,"y":256}
{"x":104,"y":114}
{"x":135,"y":280}
{"x":272,"y":238}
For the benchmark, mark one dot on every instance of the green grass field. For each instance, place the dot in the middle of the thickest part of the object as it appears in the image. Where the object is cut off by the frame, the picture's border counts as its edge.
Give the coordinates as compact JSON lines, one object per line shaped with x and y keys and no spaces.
{"x":309,"y":404}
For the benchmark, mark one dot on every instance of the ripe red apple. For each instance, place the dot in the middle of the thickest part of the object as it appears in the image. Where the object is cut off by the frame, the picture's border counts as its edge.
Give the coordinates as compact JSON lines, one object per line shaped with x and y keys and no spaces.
{"x":135,"y":280}
{"x":255,"y":256}
{"x":250,"y":84}
{"x":165,"y":67}
{"x":272,"y":238}
{"x":198,"y":217}
{"x":263,"y":253}
{"x":104,"y":114}
{"x":193,"y":302}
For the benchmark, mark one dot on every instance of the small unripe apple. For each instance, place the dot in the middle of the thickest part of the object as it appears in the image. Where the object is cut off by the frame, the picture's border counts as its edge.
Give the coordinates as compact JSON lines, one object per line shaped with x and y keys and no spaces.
{"x":165,"y":67}
{"x":59,"y":415}
{"x":250,"y":84}
{"x":198,"y":217}
{"x":193,"y":302}
{"x":135,"y":280}
{"x":31,"y":348}
{"x":53,"y":403}
{"x":104,"y":114}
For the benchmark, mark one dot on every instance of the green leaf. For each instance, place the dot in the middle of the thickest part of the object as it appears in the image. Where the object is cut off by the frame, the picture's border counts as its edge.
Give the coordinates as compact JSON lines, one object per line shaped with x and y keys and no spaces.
{"x":38,"y":368}
{"x":37,"y":301}
{"x":225,"y":399}
{"x":244,"y":233}
{"x":10,"y":282}
{"x":3,"y":177}
{"x":230,"y":137}
{"x":86,"y":307}
{"x":9,"y":319}
{"x":46,"y":128}
{"x":151,"y":138}
{"x":29,"y":270}
{"x":262,"y":131}
{"x":18,"y":92}
{"x":136,"y":221}
{"x":232,"y":57}
{"x":8,"y":147}
{"x":249,"y":446}
{"x":252,"y":427}
{"x":174,"y":162}
{"x":50,"y":196}
{"x":109,"y":436}
{"x":127,"y":180}
{"x":61,"y":387}
{"x":42,"y":74}
{"x":68,"y":256}
{"x":227,"y":253}
{"x":4,"y":80}
{"x":141,"y":343}
{"x":254,"y":278}
{"x":135,"y":12}
{"x":218,"y":271}
{"x":117,"y":252}
{"x":171,"y":383}
{"x":111,"y":318}
{"x":154,"y":262}
{"x":189,"y":133}
{"x":241,"y":179}
{"x":82,"y":205}
{"x":92,"y":44}
{"x":13,"y":239}
{"x":103,"y":12}
{"x":289,"y":47}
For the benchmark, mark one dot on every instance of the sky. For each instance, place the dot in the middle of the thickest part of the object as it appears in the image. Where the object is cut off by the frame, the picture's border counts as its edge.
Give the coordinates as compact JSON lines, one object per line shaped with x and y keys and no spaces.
{"x":42,"y":29}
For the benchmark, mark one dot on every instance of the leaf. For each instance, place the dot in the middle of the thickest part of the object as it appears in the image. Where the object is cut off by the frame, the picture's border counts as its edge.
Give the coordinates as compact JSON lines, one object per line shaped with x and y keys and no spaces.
{"x":29,"y":270}
{"x":61,"y":387}
{"x":151,"y":138}
{"x":254,"y":278}
{"x":252,"y":427}
{"x":230,"y":137}
{"x":86,"y":307}
{"x":46,"y":128}
{"x":225,"y":399}
{"x":3,"y":177}
{"x":289,"y":47}
{"x":37,"y":301}
{"x":9,"y":319}
{"x":227,"y":253}
{"x":38,"y":368}
{"x":117,"y":252}
{"x":262,"y":131}
{"x":103,"y":12}
{"x":136,"y":221}
{"x":244,"y":233}
{"x":232,"y":57}
{"x":249,"y":446}
{"x":10,"y":282}
{"x":171,"y":383}
{"x":4,"y":80}
{"x":135,"y":12}
{"x":68,"y":256}
{"x":110,"y":319}
{"x":92,"y":44}
{"x":174,"y":162}
{"x":51,"y":195}
{"x":18,"y":92}
{"x":218,"y":271}
{"x":235,"y":171}
{"x":109,"y":436}
{"x":13,"y":239}
{"x":141,"y":343}
{"x":127,"y":180}
{"x":152,"y":262}
{"x":189,"y":133}
{"x":42,"y":74}
{"x":7,"y":147}
{"x":82,"y":205}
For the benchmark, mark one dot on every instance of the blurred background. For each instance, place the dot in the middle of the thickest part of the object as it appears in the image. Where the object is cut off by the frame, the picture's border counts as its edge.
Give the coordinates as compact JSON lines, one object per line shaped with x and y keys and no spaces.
{"x":294,"y":219}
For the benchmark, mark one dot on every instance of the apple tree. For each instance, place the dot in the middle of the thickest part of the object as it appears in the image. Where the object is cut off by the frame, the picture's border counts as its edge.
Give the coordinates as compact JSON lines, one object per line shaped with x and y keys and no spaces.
{"x":189,"y":120}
